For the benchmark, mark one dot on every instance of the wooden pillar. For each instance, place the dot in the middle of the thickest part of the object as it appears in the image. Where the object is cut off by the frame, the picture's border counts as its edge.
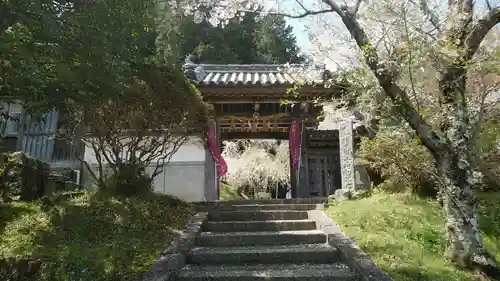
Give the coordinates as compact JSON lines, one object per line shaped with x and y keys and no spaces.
{"x":305,"y":156}
{"x":293,"y":179}
{"x":219,"y":144}
{"x":295,"y":173}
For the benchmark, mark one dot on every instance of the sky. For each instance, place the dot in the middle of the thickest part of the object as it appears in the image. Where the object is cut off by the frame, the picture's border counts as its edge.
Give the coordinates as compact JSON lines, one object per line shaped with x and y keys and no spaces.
{"x":299,"y":24}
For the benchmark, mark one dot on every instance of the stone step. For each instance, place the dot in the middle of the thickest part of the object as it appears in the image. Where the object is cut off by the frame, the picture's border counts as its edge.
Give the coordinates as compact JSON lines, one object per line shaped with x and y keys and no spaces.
{"x":257,"y":207}
{"x":268,"y":225}
{"x":228,"y":239}
{"x":314,"y":200}
{"x":256,"y":215}
{"x":274,"y":272}
{"x":305,"y":253}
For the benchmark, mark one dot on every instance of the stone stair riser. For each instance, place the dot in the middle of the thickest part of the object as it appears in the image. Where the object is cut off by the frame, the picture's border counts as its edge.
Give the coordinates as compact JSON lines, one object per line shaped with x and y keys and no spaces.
{"x":272,"y":240}
{"x":277,"y":272}
{"x":215,"y":204}
{"x":266,"y":278}
{"x":256,"y":216}
{"x":263,"y":258}
{"x":254,"y":240}
{"x":284,"y":207}
{"x":249,"y":226}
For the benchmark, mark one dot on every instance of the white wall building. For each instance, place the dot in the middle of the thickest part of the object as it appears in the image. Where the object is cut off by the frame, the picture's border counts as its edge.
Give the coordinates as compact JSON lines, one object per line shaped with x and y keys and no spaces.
{"x":189,"y":175}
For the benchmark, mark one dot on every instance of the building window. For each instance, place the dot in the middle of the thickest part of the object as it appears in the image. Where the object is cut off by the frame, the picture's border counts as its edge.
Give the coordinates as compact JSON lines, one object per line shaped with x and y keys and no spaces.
{"x":12,"y":124}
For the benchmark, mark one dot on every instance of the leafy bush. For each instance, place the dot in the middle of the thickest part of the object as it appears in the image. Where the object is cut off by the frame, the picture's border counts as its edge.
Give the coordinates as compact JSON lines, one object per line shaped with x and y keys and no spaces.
{"x":130,"y":180}
{"x":87,"y":238}
{"x":487,"y":150}
{"x":22,"y":177}
{"x":401,"y":160}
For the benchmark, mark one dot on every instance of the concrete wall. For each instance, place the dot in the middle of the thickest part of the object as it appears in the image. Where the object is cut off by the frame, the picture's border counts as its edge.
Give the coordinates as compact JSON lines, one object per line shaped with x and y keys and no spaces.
{"x":191,"y":151}
{"x":185,"y":180}
{"x":185,"y":176}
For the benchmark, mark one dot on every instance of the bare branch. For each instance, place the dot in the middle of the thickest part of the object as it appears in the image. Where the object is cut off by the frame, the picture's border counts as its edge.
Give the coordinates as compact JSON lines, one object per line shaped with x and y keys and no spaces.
{"x":297,"y":16}
{"x":460,"y":17}
{"x":479,"y":31}
{"x":357,"y":6}
{"x":299,"y":2}
{"x":410,"y":59}
{"x":424,"y":7}
{"x":162,"y":161}
{"x":334,"y":6}
{"x":488,"y":4}
{"x":387,"y":81}
{"x":482,"y":109}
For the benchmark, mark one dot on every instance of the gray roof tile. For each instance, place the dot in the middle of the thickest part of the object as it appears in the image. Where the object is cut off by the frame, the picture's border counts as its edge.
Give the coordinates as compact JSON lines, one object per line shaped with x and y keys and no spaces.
{"x":243,"y":74}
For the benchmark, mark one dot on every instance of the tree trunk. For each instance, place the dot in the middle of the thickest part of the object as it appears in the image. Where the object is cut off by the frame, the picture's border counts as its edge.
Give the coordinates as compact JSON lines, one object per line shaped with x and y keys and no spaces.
{"x":465,"y":242}
{"x":455,"y":167}
{"x":450,"y":148}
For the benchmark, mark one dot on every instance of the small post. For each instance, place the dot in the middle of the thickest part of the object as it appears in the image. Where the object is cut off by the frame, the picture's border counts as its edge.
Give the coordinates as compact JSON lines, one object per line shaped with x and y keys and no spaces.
{"x":346,"y":147}
{"x":20,"y":131}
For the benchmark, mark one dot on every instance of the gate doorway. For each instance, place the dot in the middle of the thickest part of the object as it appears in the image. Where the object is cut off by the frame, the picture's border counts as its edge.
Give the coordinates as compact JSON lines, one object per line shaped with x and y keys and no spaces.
{"x":246,"y":102}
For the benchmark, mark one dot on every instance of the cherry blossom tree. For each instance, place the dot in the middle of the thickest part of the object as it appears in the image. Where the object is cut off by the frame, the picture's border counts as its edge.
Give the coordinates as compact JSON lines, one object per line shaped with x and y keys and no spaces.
{"x":257,"y":164}
{"x":449,"y":40}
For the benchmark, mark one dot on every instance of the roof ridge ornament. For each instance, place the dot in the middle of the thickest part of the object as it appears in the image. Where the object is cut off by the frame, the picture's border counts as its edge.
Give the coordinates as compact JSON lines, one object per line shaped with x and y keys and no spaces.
{"x":192,"y":71}
{"x":188,"y":60}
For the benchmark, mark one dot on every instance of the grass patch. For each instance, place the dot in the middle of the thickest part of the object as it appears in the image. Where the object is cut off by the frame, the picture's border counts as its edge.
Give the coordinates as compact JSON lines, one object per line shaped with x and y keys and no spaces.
{"x":91,"y":239}
{"x":405,"y":234}
{"x":228,"y":192}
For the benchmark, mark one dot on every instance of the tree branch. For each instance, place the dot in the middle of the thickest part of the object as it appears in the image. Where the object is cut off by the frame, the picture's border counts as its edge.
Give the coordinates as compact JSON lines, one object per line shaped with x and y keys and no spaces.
{"x":476,"y":126}
{"x":386,"y":80}
{"x":334,"y":7}
{"x":460,"y":17}
{"x":424,"y":7}
{"x":488,"y":4}
{"x":479,"y":31}
{"x":299,"y":2}
{"x":165,"y":158}
{"x":357,"y":6}
{"x":298,"y":16}
{"x":410,"y":59}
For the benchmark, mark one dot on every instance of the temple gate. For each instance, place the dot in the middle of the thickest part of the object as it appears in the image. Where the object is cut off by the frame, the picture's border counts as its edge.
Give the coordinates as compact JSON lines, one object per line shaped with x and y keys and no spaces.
{"x":246,"y":102}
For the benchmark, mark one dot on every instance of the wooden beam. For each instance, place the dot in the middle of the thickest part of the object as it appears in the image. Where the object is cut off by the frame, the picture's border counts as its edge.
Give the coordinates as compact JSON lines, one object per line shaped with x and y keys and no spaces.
{"x":254,"y":135}
{"x":277,"y":90}
{"x":247,"y":101}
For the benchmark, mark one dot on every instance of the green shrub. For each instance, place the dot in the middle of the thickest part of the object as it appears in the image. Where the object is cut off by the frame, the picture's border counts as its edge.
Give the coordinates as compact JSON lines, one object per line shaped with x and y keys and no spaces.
{"x":22,"y":177}
{"x":19,"y":270}
{"x":403,"y":162}
{"x":487,"y":152}
{"x":87,"y":238}
{"x":130,"y":180}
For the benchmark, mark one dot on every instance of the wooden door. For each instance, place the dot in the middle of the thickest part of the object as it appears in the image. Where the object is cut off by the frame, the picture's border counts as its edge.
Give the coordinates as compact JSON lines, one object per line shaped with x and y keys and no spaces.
{"x":318,"y":176}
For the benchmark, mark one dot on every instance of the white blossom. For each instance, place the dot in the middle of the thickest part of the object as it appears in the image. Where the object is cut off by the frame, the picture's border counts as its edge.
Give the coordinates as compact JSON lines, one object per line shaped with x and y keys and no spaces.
{"x":255,"y":166}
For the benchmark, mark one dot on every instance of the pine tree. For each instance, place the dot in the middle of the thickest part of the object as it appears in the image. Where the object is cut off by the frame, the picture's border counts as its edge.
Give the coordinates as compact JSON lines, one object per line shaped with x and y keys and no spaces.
{"x":251,"y":40}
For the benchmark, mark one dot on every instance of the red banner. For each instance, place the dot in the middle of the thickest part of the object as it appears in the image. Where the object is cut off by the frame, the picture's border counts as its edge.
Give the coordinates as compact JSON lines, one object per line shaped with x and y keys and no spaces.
{"x":294,"y":142}
{"x":216,"y":155}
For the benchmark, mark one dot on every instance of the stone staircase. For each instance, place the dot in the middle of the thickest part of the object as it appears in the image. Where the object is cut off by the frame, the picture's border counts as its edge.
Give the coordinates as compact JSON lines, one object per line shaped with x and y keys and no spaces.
{"x":263,"y":242}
